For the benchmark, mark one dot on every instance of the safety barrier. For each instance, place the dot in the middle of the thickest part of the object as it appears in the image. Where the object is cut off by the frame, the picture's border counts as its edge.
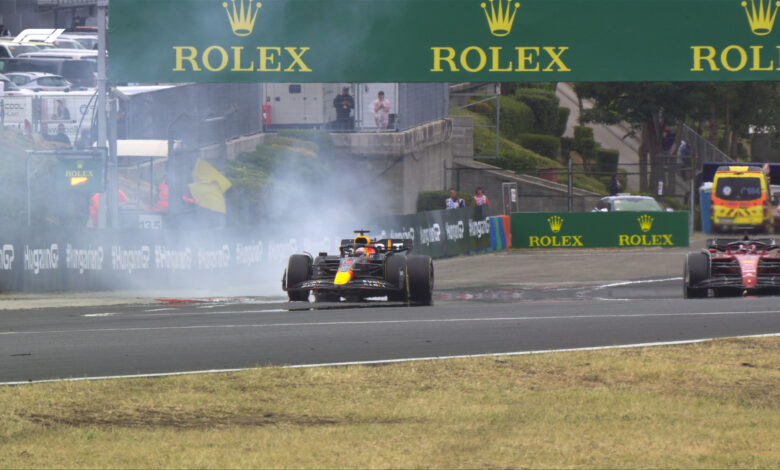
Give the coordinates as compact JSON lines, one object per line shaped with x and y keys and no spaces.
{"x":440,"y":233}
{"x":599,"y":229}
{"x":82,"y":260}
{"x":35,"y":260}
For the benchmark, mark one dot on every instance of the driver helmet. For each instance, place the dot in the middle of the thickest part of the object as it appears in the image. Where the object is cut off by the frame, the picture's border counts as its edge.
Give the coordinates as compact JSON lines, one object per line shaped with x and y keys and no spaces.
{"x":365,"y":251}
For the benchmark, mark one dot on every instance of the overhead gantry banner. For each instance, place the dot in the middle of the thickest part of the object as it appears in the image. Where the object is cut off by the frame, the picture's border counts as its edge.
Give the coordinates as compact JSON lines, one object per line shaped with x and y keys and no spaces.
{"x":442,"y":40}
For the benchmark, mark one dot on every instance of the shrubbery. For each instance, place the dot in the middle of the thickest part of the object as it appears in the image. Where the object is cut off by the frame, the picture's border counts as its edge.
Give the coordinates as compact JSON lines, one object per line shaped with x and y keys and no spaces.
{"x":584,"y":143}
{"x":546,"y":145}
{"x":563,"y":119}
{"x":544,"y":104}
{"x":607,"y":161}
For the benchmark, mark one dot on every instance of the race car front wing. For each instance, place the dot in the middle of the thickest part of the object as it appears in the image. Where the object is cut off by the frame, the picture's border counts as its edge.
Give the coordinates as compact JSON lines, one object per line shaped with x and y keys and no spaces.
{"x":362,"y":287}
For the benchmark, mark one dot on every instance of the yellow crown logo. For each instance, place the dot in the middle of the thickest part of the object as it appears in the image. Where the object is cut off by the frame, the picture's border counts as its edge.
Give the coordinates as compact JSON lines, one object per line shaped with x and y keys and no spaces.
{"x":555,"y":223}
{"x":645,"y":223}
{"x":761,"y":19}
{"x":242,"y":20}
{"x":500,"y":21}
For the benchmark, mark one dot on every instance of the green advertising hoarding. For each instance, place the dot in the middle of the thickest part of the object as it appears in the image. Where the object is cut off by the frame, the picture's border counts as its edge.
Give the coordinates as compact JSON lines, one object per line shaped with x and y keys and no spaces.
{"x":599,"y":229}
{"x":81,"y":174}
{"x":442,"y":40}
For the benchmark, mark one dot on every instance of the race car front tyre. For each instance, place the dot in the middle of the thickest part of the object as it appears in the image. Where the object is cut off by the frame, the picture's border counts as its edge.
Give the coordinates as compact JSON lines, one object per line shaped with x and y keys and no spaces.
{"x":298,"y":270}
{"x":419,"y":268}
{"x":395,"y":273}
{"x":697,"y":270}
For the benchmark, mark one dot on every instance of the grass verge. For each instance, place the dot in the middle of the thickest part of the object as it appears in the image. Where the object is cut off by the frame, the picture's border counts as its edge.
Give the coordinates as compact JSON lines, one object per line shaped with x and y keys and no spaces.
{"x":706,"y":405}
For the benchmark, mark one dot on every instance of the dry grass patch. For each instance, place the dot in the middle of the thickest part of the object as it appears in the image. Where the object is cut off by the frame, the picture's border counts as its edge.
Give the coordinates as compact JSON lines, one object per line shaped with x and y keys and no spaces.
{"x":707,"y":405}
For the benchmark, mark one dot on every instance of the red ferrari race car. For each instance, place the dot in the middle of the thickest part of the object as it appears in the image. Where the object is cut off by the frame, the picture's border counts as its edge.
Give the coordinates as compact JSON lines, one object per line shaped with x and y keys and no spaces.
{"x":362,"y":269}
{"x":733,"y":267}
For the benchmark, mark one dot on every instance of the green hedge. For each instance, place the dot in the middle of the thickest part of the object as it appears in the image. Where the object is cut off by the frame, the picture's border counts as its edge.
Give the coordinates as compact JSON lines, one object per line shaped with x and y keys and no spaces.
{"x":563,"y":119}
{"x":607,"y":161}
{"x":510,"y":88}
{"x":434,"y":200}
{"x":544,"y":104}
{"x":546,"y":145}
{"x":584,"y":143}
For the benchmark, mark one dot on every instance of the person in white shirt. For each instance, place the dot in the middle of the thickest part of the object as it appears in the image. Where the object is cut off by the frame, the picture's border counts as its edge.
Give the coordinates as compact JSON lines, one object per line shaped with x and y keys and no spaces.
{"x":381,"y":110}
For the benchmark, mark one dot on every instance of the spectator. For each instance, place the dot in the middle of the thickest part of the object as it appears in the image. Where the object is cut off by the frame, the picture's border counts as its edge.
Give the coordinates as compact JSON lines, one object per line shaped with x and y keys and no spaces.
{"x":4,"y":31}
{"x":454,"y":202}
{"x":480,"y":199}
{"x":684,"y":149}
{"x":381,"y":110}
{"x":344,"y":104}
{"x":60,"y":136}
{"x":615,"y":185}
{"x":61,"y":113}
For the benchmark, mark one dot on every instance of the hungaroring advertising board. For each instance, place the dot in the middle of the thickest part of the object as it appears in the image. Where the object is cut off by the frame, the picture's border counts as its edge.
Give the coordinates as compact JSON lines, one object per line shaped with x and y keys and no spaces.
{"x":443,"y":40}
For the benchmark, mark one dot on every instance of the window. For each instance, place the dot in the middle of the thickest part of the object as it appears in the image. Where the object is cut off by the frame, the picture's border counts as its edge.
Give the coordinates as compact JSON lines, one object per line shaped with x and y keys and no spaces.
{"x":738,"y":189}
{"x":295,"y":89}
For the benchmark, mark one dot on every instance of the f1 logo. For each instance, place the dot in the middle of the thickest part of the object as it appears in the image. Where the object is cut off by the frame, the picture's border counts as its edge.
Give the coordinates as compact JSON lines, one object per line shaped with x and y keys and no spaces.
{"x":43,"y":35}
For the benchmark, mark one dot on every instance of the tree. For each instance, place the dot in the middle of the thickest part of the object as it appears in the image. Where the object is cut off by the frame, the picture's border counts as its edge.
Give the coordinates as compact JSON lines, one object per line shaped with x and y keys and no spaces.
{"x":644,"y":106}
{"x":727,"y":109}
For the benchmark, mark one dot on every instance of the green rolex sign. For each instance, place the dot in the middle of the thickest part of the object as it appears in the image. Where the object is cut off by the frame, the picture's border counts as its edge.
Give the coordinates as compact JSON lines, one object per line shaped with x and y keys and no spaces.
{"x":81,"y":174}
{"x":599,"y":229}
{"x":443,"y":40}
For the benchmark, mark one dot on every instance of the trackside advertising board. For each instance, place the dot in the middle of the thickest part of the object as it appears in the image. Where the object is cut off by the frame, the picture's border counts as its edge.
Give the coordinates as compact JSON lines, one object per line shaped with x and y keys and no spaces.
{"x":82,"y":259}
{"x":440,"y":233}
{"x":443,"y":40}
{"x":599,"y":229}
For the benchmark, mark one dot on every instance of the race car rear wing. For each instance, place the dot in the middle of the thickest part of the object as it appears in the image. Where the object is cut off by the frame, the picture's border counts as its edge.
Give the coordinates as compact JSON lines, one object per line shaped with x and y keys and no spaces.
{"x":383,"y":245}
{"x":723,"y":243}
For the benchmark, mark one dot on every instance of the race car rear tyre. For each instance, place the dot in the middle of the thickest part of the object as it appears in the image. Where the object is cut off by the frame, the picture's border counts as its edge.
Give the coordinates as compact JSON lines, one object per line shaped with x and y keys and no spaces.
{"x":697,"y":270}
{"x":419,"y":269}
{"x":395,"y":273}
{"x":298,"y":270}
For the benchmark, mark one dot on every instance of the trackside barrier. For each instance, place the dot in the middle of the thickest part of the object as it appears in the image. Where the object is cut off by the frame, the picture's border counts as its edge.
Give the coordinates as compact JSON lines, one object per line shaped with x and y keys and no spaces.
{"x":440,"y":233}
{"x":85,"y":260}
{"x":37,"y":260}
{"x":599,"y":229}
{"x":500,"y":233}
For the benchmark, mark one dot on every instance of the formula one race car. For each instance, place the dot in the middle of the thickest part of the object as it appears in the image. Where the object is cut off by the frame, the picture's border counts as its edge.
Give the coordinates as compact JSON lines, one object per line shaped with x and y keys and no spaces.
{"x":362,"y":269}
{"x":733,"y":267}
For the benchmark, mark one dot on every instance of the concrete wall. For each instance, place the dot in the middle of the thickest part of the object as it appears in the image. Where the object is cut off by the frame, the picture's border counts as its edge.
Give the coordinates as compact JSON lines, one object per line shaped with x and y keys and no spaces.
{"x":400,"y":164}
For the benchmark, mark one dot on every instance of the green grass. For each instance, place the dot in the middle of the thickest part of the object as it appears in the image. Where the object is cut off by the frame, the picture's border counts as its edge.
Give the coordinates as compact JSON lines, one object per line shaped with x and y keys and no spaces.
{"x":706,"y":405}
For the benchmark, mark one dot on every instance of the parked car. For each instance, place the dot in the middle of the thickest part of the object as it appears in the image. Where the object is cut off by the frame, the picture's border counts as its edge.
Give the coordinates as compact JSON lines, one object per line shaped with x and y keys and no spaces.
{"x":56,"y":53}
{"x":88,"y":41}
{"x":627,"y":202}
{"x":39,"y":81}
{"x":12,"y":49}
{"x":66,"y":43}
{"x":82,"y":73}
{"x":10,"y":88}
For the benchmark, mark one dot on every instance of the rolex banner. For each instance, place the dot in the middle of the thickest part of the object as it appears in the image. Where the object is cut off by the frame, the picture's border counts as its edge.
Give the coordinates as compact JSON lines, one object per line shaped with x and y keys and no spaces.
{"x":599,"y":229}
{"x":442,"y":40}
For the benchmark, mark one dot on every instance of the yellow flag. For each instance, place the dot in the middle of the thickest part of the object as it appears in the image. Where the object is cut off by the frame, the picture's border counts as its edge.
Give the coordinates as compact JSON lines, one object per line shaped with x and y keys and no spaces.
{"x":205,"y":173}
{"x":209,"y":186}
{"x":208,"y":196}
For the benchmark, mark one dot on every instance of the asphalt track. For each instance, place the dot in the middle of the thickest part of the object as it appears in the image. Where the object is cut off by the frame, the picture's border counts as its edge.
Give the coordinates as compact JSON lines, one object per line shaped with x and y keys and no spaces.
{"x":500,"y":315}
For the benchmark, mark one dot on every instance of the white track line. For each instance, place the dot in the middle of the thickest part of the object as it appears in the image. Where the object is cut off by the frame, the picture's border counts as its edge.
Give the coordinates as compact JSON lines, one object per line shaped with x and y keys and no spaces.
{"x":390,"y":361}
{"x":390,"y":322}
{"x":628,"y":283}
